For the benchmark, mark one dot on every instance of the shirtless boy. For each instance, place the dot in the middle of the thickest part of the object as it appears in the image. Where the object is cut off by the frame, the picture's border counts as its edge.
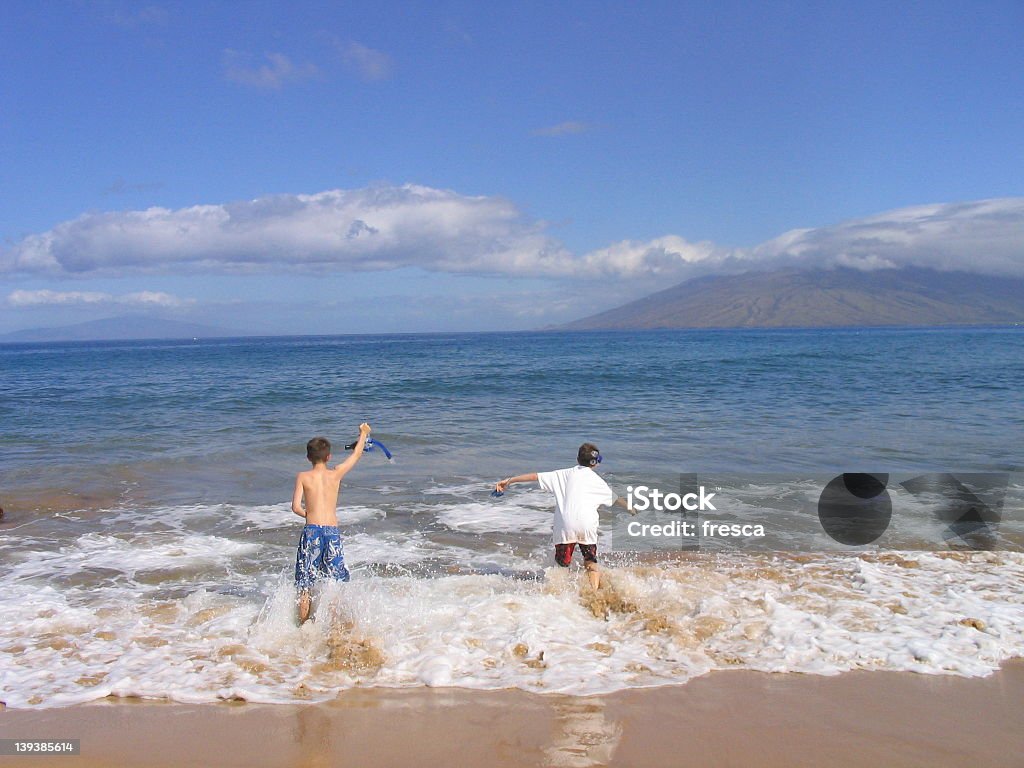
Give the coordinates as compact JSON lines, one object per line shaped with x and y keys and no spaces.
{"x":320,"y":554}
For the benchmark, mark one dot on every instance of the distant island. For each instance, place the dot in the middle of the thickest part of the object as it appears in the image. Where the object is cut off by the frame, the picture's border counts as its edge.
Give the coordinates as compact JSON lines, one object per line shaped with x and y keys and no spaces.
{"x":124,"y":328}
{"x":824,"y":298}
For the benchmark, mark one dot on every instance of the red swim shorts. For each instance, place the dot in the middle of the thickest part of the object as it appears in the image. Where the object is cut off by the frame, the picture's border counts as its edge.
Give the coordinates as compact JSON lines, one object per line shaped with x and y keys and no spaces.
{"x":563,"y":553}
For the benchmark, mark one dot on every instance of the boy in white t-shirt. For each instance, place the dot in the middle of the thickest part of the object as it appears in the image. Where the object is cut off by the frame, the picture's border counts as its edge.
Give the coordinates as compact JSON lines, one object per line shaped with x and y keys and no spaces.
{"x":578,"y":491}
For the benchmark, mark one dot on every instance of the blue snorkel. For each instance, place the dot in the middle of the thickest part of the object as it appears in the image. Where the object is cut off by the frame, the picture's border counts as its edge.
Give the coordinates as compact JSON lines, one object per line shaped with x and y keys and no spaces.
{"x":369,"y":445}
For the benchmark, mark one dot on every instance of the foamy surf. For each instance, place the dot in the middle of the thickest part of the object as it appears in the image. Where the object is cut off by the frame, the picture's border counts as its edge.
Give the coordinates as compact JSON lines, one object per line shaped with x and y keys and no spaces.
{"x":655,"y":624}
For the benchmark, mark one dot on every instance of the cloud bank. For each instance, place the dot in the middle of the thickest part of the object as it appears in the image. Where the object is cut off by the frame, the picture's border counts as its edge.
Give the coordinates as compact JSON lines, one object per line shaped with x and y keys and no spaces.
{"x":386,"y":228}
{"x":94,"y":298}
{"x":365,"y":230}
{"x":984,"y":236}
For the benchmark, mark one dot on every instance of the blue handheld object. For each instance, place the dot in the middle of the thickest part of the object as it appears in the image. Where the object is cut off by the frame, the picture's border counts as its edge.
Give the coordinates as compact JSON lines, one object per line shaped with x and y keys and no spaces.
{"x":369,"y":445}
{"x":497,"y":494}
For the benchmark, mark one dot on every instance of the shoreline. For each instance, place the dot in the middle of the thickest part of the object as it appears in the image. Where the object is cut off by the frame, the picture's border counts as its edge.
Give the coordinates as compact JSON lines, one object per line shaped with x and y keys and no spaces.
{"x":724,"y":718}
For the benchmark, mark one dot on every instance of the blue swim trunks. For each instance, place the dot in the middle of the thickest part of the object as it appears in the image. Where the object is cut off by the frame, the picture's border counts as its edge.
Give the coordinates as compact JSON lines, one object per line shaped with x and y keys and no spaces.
{"x":320,"y":556}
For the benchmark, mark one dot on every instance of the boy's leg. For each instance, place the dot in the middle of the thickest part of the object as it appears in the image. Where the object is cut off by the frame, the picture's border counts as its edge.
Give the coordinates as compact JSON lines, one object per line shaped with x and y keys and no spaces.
{"x":305,"y":569}
{"x":334,"y":558}
{"x":563,"y":554}
{"x":594,"y":574}
{"x":589,"y":552}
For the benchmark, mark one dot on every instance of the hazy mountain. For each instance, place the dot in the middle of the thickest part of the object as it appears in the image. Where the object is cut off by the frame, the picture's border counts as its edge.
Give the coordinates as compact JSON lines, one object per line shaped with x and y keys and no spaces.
{"x":822,"y":298}
{"x":120,"y":328}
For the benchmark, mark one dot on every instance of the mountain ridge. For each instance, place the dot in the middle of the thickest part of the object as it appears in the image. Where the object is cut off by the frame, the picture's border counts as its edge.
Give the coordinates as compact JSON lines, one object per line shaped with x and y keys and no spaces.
{"x":823,"y":298}
{"x":121,"y":328}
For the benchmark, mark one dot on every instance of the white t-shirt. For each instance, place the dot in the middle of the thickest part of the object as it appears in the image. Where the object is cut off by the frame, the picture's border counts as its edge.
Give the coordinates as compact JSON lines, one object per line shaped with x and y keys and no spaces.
{"x":579,"y":491}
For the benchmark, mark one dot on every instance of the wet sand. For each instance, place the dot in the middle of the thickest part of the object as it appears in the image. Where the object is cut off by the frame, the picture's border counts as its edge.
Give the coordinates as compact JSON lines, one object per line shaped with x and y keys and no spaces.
{"x":737,"y":718}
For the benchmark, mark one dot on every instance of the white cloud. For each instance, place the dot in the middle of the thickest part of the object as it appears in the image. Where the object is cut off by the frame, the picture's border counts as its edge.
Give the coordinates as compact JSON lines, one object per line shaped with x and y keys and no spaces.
{"x":663,"y":256}
{"x":277,"y":71}
{"x":383,"y":228}
{"x":367,"y":229}
{"x":563,"y":129}
{"x":980,"y":236}
{"x":984,"y":236}
{"x":94,"y":298}
{"x":369,"y":63}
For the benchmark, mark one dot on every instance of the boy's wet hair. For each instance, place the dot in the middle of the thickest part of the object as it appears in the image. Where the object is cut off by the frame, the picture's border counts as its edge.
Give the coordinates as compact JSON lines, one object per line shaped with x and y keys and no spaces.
{"x":588,"y":455}
{"x":318,"y":449}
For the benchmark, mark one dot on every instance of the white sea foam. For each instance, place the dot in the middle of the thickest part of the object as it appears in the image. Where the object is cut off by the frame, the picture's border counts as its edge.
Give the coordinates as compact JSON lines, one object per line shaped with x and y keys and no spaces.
{"x":472,"y":490}
{"x":490,"y":517}
{"x":652,"y":625}
{"x":230,"y":517}
{"x":400,"y":550}
{"x":126,"y":553}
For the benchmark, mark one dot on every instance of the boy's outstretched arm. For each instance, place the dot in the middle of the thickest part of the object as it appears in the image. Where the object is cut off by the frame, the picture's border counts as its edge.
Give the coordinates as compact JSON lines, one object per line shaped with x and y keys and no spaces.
{"x":297,"y":507}
{"x":501,"y":485}
{"x":621,"y":502}
{"x":357,"y":452}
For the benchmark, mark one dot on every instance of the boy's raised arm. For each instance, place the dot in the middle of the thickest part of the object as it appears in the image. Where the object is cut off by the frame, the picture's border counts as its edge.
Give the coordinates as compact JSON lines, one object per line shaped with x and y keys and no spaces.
{"x":357,"y":451}
{"x":297,"y":498}
{"x":501,"y":485}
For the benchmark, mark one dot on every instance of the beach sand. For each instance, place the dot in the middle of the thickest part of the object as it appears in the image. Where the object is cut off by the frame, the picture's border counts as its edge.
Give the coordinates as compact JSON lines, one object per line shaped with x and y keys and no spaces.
{"x":739,"y":718}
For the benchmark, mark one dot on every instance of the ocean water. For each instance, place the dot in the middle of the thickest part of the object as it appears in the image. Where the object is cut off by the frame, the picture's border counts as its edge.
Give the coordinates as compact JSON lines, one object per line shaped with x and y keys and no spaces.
{"x":148,"y":545}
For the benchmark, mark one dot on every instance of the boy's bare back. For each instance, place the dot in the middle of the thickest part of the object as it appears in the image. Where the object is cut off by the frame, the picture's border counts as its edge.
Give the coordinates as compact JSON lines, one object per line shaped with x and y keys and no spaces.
{"x":318,"y":487}
{"x":320,"y":492}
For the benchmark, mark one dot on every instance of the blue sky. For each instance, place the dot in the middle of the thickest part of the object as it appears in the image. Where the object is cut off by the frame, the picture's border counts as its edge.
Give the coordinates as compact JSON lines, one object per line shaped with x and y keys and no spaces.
{"x":277,"y":167}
